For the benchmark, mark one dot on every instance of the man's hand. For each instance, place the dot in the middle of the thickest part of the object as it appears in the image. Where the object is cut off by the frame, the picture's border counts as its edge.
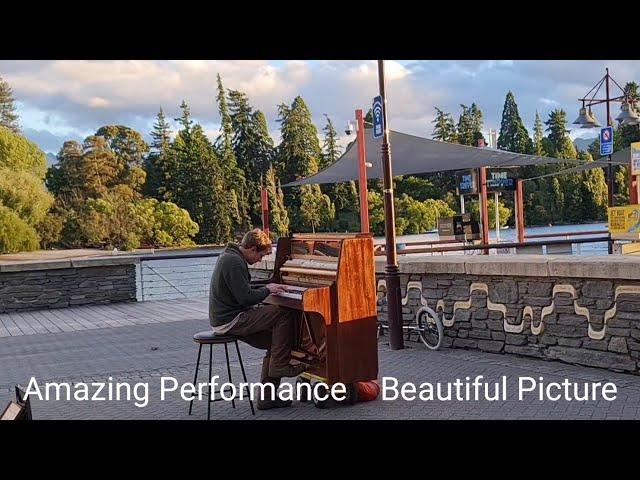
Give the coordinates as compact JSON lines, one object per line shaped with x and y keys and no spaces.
{"x":276,"y":288}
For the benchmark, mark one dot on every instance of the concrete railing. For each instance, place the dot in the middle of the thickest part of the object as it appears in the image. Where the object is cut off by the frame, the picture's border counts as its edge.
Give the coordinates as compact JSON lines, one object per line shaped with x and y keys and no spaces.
{"x":35,"y":285}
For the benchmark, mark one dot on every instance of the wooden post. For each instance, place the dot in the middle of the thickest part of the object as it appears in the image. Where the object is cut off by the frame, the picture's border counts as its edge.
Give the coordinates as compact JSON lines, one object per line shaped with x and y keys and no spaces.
{"x":520,"y":209}
{"x":362,"y":174}
{"x":484,"y":208}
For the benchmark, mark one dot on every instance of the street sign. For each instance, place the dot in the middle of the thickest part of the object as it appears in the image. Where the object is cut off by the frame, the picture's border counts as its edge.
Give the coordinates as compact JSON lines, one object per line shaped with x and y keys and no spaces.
{"x":500,"y":181}
{"x":606,"y":141}
{"x":624,"y":222}
{"x":378,"y":118}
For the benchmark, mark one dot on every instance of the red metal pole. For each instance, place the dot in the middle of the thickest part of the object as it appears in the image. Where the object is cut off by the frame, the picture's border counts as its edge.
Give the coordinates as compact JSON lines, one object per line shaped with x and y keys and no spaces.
{"x":264,"y":197}
{"x":484,"y":207}
{"x":520,"y":209}
{"x":362,"y":178}
{"x":633,"y":188}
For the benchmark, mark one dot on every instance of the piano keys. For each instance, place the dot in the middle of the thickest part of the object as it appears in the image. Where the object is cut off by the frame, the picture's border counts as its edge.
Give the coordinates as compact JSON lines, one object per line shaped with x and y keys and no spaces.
{"x":330,"y":279}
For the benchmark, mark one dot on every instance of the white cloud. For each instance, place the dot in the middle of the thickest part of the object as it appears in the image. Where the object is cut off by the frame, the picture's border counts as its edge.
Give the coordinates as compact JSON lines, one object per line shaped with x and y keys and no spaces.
{"x":74,"y":98}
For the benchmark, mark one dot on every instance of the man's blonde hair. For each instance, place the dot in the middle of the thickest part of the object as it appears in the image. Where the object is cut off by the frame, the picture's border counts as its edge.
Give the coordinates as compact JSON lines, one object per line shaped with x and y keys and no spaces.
{"x":256,"y":238}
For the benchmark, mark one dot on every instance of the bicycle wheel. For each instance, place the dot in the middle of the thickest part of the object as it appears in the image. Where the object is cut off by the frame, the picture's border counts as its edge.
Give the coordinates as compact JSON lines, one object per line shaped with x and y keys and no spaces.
{"x":430,"y":328}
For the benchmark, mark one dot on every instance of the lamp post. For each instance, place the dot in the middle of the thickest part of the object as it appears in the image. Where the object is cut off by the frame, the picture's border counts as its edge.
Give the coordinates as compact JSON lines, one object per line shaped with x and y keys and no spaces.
{"x":392,"y":273}
{"x":627,"y":116}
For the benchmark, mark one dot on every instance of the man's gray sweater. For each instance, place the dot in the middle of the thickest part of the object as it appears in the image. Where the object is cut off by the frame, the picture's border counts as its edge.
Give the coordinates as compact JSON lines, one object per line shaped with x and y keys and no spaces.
{"x":230,"y":292}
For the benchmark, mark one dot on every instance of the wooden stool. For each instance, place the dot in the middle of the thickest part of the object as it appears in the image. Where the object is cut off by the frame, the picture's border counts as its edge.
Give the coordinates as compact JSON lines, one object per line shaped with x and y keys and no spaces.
{"x":208,"y":337}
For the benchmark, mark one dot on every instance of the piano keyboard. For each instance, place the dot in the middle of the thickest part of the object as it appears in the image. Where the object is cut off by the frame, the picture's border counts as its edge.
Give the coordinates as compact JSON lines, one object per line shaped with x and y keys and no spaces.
{"x":295,"y":296}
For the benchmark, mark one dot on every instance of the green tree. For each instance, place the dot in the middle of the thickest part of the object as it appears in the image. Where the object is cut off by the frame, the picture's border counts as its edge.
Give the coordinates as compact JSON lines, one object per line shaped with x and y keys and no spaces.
{"x":298,"y":156}
{"x":316,"y":208}
{"x":503,"y":211}
{"x":23,"y":197}
{"x":253,"y":147}
{"x":538,"y":136}
{"x":234,"y":176}
{"x":157,"y":162}
{"x":8,"y":115}
{"x":278,"y":215}
{"x":445,"y":128}
{"x":16,"y":235}
{"x":128,"y":145}
{"x":200,"y":184}
{"x":513,"y":134}
{"x":561,"y":144}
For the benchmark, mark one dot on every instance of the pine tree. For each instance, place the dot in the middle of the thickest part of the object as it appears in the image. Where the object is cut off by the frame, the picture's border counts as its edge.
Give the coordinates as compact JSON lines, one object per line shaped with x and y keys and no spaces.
{"x":156,"y":163}
{"x":8,"y":115}
{"x":344,"y":194}
{"x":234,"y":177}
{"x":298,"y":156}
{"x":559,"y":135}
{"x":476,"y":124}
{"x":199,"y":182}
{"x":444,"y":129}
{"x":464,"y":129}
{"x":278,"y":216}
{"x":538,"y":135}
{"x":513,"y":135}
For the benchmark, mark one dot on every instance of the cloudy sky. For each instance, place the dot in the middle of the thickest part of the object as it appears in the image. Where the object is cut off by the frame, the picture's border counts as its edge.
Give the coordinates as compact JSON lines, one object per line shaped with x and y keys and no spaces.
{"x":70,"y":99}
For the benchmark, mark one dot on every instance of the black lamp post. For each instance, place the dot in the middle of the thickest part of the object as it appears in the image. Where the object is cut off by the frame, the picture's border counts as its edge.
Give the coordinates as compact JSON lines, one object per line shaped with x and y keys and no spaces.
{"x":391,"y":270}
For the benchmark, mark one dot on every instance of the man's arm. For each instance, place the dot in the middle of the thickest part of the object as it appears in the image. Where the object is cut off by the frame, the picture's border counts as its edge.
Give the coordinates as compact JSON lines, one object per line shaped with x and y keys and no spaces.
{"x":239,"y":283}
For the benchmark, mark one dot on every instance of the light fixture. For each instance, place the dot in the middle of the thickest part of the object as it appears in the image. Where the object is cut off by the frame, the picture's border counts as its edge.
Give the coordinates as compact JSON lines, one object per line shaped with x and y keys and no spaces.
{"x":628,"y":115}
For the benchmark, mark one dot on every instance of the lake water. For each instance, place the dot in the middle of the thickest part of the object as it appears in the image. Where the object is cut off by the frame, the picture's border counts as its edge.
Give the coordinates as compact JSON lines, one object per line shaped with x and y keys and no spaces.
{"x":511,"y":235}
{"x":189,"y":277}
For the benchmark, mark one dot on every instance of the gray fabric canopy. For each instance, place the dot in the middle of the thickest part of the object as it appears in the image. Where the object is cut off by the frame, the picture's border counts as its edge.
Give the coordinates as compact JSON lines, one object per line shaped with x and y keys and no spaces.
{"x":621,"y":157}
{"x":415,"y":155}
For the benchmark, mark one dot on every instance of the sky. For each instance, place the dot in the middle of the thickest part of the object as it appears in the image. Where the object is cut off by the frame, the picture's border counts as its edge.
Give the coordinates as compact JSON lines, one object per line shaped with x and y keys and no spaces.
{"x":61,"y":100}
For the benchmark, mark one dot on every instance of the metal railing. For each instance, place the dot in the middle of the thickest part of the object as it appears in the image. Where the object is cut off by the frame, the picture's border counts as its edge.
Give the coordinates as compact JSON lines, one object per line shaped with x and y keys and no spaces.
{"x":164,"y":276}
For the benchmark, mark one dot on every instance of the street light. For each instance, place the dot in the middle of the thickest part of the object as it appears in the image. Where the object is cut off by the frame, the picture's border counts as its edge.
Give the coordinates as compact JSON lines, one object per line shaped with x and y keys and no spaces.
{"x":586,"y":119}
{"x":628,"y":116}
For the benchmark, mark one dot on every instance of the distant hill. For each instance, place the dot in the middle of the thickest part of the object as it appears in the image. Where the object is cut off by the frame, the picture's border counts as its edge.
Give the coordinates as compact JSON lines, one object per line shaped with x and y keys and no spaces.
{"x":583,"y":143}
{"x":51,"y":159}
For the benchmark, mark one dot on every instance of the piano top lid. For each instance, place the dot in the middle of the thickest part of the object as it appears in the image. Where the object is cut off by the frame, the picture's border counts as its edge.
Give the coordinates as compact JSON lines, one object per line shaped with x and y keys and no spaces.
{"x":329,"y":236}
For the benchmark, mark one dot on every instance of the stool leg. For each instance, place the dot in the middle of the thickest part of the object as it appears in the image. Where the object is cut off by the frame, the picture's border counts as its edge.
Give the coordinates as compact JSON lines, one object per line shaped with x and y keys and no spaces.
{"x":195,"y":377}
{"x":244,"y":376}
{"x":210,"y":386}
{"x":226,"y":352}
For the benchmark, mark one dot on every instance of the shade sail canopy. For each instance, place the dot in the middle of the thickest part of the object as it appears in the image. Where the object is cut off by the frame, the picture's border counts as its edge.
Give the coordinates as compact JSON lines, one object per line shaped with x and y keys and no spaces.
{"x":415,"y":155}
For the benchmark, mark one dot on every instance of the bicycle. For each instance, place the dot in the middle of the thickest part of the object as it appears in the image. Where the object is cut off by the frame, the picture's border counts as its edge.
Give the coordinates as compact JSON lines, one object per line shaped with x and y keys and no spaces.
{"x":427,"y":323}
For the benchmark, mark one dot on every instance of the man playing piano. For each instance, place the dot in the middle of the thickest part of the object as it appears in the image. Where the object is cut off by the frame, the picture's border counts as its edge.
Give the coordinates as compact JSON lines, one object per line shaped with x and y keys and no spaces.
{"x":233,"y":311}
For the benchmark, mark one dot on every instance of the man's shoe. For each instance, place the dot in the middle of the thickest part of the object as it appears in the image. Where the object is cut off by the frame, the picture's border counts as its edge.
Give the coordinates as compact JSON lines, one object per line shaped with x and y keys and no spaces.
{"x":277,"y":403}
{"x":287,"y":370}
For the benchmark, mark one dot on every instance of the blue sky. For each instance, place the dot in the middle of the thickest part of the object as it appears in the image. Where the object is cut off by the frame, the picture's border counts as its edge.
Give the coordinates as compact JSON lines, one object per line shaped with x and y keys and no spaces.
{"x":62,"y":100}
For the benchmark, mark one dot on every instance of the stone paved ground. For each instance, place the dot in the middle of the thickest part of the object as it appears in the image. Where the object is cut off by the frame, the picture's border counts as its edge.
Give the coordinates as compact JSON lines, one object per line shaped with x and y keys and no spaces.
{"x":145,"y":352}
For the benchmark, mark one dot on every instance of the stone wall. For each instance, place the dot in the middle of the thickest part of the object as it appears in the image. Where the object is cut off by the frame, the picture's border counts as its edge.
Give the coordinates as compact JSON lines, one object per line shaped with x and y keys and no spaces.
{"x":576,"y":309}
{"x":58,"y":284}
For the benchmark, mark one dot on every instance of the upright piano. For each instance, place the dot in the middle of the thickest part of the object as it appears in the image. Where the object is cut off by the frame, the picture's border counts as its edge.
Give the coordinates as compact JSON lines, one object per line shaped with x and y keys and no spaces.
{"x":331,"y":281}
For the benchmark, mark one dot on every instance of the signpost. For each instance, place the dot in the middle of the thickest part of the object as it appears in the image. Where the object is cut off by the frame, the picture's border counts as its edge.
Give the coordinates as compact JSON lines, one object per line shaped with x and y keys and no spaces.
{"x":606,"y":141}
{"x":624,"y":222}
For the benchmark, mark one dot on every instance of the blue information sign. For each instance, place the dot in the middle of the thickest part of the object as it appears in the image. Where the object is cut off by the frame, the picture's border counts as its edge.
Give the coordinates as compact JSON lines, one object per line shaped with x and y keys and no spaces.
{"x":606,"y":141}
{"x":378,"y":118}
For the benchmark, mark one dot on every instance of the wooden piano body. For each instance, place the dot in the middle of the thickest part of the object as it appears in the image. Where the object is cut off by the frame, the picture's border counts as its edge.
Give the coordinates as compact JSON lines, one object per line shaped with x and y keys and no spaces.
{"x":334,"y":280}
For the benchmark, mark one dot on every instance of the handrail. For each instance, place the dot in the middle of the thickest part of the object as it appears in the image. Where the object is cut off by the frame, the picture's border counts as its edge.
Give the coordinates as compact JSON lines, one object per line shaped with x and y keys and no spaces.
{"x":566,"y":234}
{"x":500,"y":245}
{"x":178,"y":256}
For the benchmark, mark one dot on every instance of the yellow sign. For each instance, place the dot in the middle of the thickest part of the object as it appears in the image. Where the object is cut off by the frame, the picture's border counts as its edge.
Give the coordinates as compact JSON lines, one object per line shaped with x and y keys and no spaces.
{"x":624,"y":222}
{"x":635,"y":158}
